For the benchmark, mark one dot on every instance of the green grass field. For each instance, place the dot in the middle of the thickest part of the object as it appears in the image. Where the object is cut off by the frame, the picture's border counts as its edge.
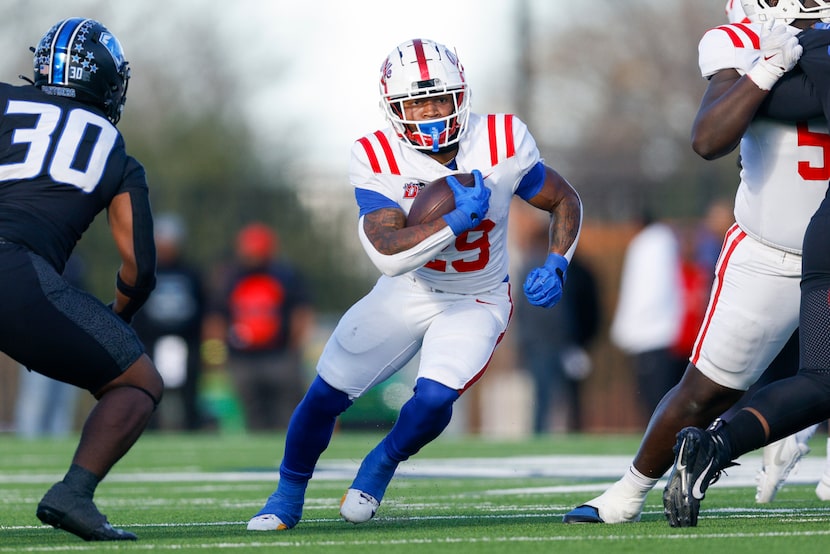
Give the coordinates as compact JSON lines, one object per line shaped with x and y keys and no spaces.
{"x":195,"y":493}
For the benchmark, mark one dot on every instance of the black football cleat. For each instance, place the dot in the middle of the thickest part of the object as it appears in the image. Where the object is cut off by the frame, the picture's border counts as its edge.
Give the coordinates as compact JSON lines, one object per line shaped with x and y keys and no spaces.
{"x":699,"y":459}
{"x":63,"y":509}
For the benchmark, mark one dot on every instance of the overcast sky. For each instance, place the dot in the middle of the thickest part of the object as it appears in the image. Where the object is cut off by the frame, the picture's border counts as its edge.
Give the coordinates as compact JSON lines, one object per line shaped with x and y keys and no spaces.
{"x":333,"y":48}
{"x":308,"y":68}
{"x":358,"y":35}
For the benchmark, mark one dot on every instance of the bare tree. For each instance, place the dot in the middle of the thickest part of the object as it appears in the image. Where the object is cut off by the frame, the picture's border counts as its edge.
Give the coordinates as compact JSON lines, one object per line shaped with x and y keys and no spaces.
{"x":612,"y":95}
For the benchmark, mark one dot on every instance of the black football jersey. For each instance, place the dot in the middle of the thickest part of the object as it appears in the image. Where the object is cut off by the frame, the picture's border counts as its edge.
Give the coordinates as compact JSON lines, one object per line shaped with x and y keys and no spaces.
{"x":61,"y":163}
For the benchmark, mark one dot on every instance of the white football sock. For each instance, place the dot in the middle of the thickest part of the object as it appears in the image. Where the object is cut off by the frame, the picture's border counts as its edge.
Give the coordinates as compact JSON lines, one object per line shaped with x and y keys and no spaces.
{"x":638,"y":480}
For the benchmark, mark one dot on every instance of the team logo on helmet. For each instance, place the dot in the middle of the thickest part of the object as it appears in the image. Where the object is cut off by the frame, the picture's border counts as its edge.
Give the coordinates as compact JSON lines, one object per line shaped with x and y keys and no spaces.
{"x":113,"y":47}
{"x":386,"y":69}
{"x":80,"y":58}
{"x":451,"y":56}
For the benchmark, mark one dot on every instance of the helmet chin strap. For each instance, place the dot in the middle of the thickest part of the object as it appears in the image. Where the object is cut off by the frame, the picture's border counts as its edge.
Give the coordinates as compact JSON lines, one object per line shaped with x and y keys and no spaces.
{"x":434,"y":129}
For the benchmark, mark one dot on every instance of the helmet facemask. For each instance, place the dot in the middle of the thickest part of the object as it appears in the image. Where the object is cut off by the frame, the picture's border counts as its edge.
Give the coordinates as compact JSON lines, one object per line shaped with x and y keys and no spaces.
{"x":421,"y":69}
{"x":761,"y":11}
{"x":430,"y":134}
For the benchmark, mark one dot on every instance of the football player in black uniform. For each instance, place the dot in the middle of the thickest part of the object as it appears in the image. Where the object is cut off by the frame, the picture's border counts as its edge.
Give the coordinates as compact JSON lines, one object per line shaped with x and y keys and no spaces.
{"x":62,"y":161}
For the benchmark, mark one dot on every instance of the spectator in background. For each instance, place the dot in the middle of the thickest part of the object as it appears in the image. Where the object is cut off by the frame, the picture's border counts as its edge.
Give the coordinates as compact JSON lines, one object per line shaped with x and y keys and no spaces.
{"x":695,"y":284}
{"x":170,"y":325}
{"x":649,"y":310}
{"x":551,"y":343}
{"x":717,"y":220}
{"x":44,"y":406}
{"x":268,"y":318}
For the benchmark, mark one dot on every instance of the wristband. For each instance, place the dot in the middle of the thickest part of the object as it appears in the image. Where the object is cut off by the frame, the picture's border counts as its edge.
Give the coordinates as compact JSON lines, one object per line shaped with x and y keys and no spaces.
{"x":458,"y":221}
{"x":764,"y":75}
{"x":558,"y":264}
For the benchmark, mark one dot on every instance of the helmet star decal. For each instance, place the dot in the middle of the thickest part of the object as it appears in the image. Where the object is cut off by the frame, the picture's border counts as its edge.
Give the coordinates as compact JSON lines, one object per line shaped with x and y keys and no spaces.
{"x":79,"y":58}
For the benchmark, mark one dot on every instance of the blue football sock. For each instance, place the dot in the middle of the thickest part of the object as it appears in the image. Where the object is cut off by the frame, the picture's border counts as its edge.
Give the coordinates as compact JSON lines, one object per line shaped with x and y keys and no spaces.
{"x":309,"y":433}
{"x":375,"y":472}
{"x":287,"y":501}
{"x":311,"y":427}
{"x":423,"y":417}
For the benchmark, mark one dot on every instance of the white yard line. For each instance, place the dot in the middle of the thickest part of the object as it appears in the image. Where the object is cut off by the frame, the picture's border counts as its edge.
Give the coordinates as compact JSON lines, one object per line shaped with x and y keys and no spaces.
{"x":607,"y":468}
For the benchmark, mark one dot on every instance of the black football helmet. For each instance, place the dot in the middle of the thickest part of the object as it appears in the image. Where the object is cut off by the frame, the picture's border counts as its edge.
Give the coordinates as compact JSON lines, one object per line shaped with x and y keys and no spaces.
{"x":79,"y":58}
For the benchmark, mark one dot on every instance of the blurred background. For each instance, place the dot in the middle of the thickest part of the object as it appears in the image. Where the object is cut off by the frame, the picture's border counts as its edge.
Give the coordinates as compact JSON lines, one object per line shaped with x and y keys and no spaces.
{"x":246,"y":111}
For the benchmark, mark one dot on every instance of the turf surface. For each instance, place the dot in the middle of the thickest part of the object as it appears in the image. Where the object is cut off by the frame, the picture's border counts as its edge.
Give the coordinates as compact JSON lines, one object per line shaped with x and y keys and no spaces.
{"x":195,"y":493}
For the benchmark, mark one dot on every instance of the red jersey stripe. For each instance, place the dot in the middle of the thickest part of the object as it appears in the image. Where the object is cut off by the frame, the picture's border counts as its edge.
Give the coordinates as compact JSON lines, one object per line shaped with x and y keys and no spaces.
{"x":735,"y":36}
{"x":494,"y":145}
{"x":370,"y":153}
{"x":387,"y":150}
{"x":493,"y":130}
{"x":754,"y":38}
{"x":736,"y":41}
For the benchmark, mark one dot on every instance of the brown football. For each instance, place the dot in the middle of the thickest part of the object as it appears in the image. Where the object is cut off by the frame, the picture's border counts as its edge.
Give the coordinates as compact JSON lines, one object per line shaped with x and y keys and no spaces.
{"x":435,"y":199}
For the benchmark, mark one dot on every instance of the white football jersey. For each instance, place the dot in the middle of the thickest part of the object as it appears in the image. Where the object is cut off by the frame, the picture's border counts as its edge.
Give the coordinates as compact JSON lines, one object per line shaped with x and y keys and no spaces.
{"x":498,"y":145}
{"x":785,"y":166}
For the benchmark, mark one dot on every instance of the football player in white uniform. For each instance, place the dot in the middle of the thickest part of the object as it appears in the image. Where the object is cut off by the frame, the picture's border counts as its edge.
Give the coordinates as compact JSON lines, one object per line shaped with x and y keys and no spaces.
{"x":787,"y":405}
{"x":781,"y":456}
{"x":444,"y":290}
{"x":754,"y":303}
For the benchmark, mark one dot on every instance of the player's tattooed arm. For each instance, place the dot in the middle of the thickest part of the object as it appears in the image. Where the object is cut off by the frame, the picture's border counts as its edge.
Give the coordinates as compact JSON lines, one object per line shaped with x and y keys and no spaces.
{"x":559,"y":198}
{"x":386,"y":229}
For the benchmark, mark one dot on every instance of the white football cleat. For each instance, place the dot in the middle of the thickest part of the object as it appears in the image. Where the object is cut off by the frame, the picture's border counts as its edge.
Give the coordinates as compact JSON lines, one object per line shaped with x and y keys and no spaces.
{"x":823,"y":487}
{"x":780,"y":458}
{"x":621,"y":503}
{"x":266,"y":522}
{"x":358,"y":507}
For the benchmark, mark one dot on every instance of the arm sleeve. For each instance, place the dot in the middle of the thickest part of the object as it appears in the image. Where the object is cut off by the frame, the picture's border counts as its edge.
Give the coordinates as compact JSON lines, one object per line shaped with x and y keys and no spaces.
{"x":570,"y":253}
{"x":532,"y":182}
{"x":406,"y":261}
{"x":143,"y":246}
{"x":369,"y":200}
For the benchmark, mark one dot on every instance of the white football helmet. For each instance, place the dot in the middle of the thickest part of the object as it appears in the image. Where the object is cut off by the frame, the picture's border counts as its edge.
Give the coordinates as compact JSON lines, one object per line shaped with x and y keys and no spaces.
{"x":760,"y":11}
{"x":735,"y":12}
{"x":422,"y":68}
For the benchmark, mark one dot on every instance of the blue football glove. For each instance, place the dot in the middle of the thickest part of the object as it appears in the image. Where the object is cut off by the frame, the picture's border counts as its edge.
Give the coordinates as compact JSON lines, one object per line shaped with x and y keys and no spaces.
{"x":543,"y":286}
{"x":471,"y":204}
